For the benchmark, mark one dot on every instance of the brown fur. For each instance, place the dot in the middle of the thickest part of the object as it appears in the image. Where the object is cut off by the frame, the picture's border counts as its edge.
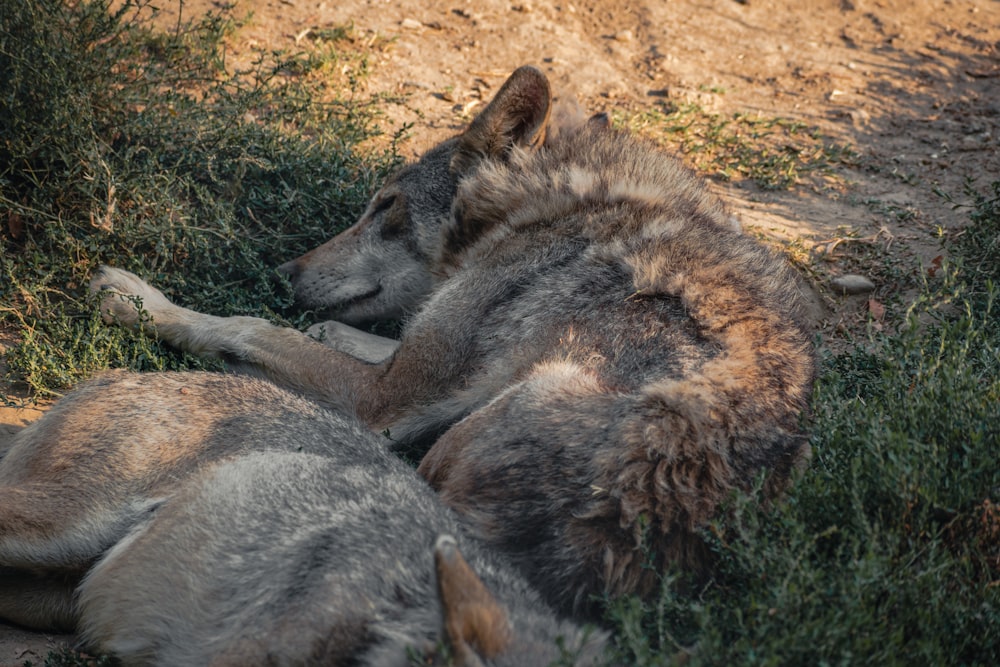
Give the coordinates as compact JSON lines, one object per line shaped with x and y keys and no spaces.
{"x":473,"y":619}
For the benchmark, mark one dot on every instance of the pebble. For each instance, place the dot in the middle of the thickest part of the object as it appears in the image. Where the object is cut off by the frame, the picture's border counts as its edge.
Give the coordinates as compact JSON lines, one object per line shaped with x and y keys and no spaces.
{"x":859,"y":117}
{"x":852,"y":284}
{"x":411,"y":24}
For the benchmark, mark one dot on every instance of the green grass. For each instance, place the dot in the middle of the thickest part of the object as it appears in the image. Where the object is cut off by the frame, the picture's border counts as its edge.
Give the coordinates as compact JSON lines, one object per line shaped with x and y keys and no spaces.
{"x":133,"y":147}
{"x":774,"y":153}
{"x":69,"y":658}
{"x":125,"y":145}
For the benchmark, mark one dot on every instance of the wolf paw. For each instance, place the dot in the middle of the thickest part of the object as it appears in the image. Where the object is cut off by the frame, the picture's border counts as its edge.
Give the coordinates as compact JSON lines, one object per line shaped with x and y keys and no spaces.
{"x":358,"y":344}
{"x":127,"y":299}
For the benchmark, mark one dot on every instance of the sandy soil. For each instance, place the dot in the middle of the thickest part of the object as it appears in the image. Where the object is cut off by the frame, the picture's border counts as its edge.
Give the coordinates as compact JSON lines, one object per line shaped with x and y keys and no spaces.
{"x":912,"y":85}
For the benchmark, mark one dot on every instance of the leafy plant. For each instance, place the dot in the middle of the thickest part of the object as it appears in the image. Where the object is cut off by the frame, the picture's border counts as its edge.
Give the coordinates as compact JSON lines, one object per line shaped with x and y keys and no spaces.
{"x":125,"y":145}
{"x":774,"y":153}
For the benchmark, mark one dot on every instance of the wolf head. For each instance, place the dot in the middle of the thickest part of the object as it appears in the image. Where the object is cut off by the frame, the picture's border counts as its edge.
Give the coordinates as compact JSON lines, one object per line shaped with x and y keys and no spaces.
{"x":386,"y":264}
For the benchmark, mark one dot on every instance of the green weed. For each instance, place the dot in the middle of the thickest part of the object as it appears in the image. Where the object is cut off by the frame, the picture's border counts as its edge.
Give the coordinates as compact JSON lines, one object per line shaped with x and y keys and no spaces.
{"x":980,"y":242}
{"x":128,"y":146}
{"x":774,"y":153}
{"x":69,"y":658}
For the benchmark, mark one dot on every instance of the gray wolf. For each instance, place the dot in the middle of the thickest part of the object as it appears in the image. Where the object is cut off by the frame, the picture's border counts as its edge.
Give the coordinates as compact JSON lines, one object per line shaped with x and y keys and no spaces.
{"x":591,"y":361}
{"x":235,"y":523}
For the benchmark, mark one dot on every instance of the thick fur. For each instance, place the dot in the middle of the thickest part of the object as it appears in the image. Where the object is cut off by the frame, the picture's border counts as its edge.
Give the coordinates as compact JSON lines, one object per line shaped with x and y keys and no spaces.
{"x":592,"y":359}
{"x":244,"y":525}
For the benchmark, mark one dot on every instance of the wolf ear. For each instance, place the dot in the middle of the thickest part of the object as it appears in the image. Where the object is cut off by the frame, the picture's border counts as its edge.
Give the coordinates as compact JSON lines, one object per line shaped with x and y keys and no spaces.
{"x":517,"y":116}
{"x":475,"y":623}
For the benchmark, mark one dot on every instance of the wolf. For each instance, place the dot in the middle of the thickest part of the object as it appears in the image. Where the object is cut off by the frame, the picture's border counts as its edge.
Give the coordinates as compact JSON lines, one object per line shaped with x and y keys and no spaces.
{"x":591,"y":360}
{"x":235,"y":523}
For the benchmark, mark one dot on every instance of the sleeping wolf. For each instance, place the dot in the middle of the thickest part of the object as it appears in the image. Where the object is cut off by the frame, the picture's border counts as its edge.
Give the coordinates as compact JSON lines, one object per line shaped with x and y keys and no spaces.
{"x":591,"y":356}
{"x":249,"y":526}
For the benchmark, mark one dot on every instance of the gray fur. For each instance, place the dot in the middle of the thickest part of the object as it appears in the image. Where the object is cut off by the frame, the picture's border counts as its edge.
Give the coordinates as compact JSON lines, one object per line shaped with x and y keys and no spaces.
{"x":594,"y":359}
{"x":273,"y":532}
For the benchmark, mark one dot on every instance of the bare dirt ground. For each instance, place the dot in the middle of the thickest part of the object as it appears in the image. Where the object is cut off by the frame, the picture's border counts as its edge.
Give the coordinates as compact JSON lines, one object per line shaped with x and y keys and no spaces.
{"x":912,"y":85}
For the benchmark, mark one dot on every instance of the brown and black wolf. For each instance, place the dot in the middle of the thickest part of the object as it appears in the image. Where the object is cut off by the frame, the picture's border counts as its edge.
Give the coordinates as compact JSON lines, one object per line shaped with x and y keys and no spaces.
{"x":592,"y":358}
{"x":241,"y":524}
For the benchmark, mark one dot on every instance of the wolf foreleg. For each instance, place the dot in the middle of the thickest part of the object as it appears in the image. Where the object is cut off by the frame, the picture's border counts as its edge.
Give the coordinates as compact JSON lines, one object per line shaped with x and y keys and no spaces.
{"x":285,"y":356}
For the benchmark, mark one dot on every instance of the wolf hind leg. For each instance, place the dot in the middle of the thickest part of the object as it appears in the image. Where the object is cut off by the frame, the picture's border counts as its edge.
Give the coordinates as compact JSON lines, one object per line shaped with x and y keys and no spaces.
{"x":49,"y":536}
{"x":44,"y":526}
{"x":38,"y":601}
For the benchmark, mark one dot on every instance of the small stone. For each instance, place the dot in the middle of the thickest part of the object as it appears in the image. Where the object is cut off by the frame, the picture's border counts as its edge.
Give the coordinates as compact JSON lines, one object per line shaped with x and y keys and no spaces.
{"x":411,"y":24}
{"x":973,"y":142}
{"x":852,"y":284}
{"x":859,"y":117}
{"x":623,"y":36}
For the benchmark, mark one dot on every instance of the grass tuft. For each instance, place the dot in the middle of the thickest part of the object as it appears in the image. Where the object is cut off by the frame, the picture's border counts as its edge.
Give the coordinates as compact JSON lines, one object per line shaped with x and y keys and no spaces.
{"x":125,"y":145}
{"x":773,"y":153}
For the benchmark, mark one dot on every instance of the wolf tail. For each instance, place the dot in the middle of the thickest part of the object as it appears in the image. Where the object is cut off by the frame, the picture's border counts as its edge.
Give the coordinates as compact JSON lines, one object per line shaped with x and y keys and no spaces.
{"x":689,"y":440}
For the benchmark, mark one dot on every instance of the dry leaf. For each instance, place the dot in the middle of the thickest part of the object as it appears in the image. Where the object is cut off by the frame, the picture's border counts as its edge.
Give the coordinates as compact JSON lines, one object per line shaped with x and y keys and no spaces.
{"x":935,"y":265}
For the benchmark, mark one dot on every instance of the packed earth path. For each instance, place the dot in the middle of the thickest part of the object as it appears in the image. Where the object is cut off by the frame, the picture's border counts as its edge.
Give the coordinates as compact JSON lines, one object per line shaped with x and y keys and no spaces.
{"x":907,"y":91}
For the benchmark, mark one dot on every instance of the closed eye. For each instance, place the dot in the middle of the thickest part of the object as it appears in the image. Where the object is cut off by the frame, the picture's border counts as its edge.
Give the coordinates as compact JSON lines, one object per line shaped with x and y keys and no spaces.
{"x":384,"y":205}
